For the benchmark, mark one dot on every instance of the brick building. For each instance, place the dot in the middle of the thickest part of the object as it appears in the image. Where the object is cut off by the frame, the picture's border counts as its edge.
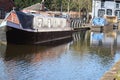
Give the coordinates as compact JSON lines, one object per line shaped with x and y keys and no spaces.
{"x":5,"y":6}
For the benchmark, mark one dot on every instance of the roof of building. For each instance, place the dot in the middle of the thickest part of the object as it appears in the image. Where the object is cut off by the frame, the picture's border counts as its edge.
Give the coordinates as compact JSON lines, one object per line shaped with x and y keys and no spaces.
{"x":6,"y":5}
{"x":36,"y":7}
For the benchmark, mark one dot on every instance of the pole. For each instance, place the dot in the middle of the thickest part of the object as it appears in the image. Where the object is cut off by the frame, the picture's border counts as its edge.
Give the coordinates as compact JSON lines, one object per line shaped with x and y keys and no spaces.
{"x":68,"y":6}
{"x":42,"y":0}
{"x":79,"y":9}
{"x":43,"y":5}
{"x":61,"y":6}
{"x":94,"y":8}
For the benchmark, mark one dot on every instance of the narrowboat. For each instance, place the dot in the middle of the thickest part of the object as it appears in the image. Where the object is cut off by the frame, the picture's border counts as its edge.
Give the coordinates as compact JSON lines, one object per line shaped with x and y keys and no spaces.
{"x":29,"y":28}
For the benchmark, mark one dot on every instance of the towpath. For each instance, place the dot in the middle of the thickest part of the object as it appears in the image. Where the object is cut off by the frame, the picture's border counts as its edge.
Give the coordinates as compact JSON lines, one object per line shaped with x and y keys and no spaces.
{"x":111,"y":74}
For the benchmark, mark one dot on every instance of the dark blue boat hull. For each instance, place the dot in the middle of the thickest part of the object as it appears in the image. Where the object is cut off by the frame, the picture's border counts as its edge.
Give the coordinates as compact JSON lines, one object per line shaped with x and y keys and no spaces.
{"x":19,"y":36}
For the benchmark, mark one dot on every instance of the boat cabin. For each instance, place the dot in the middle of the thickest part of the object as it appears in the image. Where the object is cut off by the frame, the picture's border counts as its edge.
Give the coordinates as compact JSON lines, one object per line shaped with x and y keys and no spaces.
{"x":20,"y":20}
{"x":103,"y":8}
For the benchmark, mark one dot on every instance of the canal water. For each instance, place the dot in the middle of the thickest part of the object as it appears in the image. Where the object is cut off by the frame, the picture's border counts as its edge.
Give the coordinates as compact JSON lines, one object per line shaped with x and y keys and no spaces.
{"x":87,"y":57}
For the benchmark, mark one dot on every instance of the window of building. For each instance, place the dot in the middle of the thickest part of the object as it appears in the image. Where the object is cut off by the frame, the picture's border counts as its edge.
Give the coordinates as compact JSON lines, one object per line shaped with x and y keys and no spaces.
{"x":117,"y":13}
{"x":101,"y":12}
{"x":117,"y":5}
{"x":109,"y":12}
{"x":102,"y":4}
{"x":2,"y":13}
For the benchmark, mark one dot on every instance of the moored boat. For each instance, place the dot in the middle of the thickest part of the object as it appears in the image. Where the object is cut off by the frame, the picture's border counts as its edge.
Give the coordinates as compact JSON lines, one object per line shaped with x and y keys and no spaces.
{"x":106,"y":23}
{"x":98,"y":23}
{"x":29,"y":28}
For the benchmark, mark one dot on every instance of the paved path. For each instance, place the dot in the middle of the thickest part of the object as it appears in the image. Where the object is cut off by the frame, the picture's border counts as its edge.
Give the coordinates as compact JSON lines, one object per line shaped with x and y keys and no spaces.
{"x":110,"y":75}
{"x":2,"y":34}
{"x":1,"y":20}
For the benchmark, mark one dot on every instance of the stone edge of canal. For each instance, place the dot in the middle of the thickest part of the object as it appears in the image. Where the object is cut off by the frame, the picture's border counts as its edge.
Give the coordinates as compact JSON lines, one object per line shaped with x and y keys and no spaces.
{"x":110,"y":74}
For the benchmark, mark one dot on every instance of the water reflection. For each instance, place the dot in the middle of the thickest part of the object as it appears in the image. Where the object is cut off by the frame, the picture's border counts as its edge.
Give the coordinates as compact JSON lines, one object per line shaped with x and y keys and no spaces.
{"x":87,"y":57}
{"x":25,"y":62}
{"x":98,"y":51}
{"x":3,"y":72}
{"x":104,"y":42}
{"x":33,"y":52}
{"x":106,"y":39}
{"x":81,"y":41}
{"x":106,"y":45}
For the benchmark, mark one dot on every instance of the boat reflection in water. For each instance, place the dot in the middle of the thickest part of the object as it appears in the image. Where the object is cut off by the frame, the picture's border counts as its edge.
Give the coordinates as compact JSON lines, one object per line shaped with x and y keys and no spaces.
{"x":33,"y":52}
{"x":106,"y":43}
{"x":81,"y":41}
{"x":50,"y":49}
{"x":26,"y":61}
{"x":98,"y":38}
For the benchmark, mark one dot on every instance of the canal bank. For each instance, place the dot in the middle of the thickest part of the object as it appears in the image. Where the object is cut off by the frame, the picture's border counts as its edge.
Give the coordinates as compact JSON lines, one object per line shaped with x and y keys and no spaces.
{"x":112,"y":73}
{"x":2,"y":34}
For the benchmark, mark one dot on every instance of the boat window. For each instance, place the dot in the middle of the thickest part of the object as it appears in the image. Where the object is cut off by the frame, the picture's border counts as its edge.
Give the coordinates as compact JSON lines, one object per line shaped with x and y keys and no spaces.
{"x":101,"y":12}
{"x":55,"y":23}
{"x":49,"y":23}
{"x":40,"y":22}
{"x":109,"y":11}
